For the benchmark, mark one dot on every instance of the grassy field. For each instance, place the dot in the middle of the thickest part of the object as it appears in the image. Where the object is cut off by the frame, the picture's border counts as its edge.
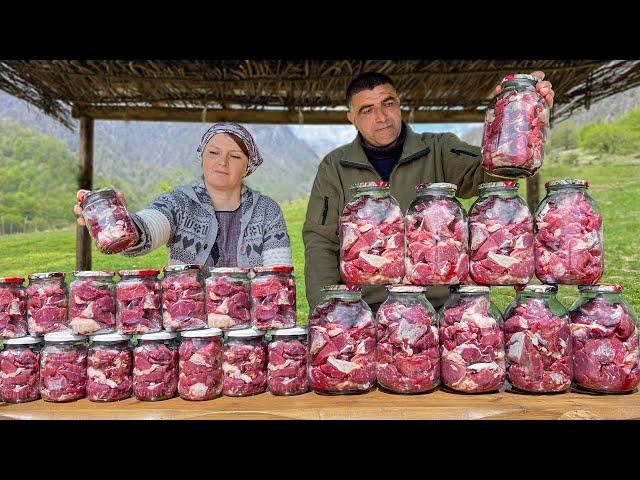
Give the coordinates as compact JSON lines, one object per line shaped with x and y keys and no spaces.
{"x":615,"y":185}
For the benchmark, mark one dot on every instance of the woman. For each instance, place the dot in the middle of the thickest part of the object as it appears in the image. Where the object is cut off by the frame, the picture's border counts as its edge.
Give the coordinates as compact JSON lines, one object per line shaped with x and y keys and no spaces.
{"x":217,"y":221}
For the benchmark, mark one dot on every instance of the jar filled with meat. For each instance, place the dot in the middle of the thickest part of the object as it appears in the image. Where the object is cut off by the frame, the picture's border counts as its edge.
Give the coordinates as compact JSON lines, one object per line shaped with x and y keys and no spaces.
{"x":183,"y":298}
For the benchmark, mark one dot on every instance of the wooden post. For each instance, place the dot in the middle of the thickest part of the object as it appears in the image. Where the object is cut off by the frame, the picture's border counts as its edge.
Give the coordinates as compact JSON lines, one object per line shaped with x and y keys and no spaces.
{"x":533,"y":192}
{"x":85,"y":181}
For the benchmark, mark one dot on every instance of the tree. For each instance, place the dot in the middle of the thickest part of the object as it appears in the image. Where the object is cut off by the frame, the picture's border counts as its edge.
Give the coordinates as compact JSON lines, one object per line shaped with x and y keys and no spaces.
{"x":564,"y":136}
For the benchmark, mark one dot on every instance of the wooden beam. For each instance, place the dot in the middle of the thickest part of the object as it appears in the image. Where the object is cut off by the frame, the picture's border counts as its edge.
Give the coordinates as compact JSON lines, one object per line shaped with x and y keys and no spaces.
{"x":533,"y":192}
{"x":315,"y":117}
{"x":85,"y":181}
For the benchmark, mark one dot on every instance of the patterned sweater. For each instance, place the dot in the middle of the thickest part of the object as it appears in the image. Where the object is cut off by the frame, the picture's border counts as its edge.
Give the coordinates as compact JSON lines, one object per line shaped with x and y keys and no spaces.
{"x":184,"y":220}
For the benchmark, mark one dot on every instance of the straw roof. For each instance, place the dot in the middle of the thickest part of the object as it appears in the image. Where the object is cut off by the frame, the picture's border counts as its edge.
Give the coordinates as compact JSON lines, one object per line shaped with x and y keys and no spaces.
{"x":284,"y":91}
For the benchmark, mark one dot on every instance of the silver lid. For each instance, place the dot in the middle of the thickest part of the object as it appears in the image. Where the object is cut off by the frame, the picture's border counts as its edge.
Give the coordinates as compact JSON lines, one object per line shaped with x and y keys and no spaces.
{"x":158,"y":336}
{"x":470,"y":289}
{"x":202,"y":333}
{"x":94,"y":273}
{"x":601,"y":288}
{"x":566,"y":182}
{"x":541,"y":288}
{"x":406,"y":289}
{"x":45,"y":275}
{"x":67,"y":336}
{"x":28,"y":340}
{"x":436,"y":186}
{"x":289,"y":331}
{"x":182,"y":268}
{"x":228,"y":270}
{"x":245,"y":333}
{"x":110,"y":337}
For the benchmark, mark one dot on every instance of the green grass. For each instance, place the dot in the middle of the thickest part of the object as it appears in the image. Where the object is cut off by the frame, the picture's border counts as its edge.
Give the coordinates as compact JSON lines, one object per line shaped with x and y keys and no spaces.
{"x":615,"y":185}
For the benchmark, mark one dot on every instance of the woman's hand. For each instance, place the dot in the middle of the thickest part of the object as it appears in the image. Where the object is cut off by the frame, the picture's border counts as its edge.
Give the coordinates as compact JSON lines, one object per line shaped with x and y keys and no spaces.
{"x":80,"y":195}
{"x":543,"y":87}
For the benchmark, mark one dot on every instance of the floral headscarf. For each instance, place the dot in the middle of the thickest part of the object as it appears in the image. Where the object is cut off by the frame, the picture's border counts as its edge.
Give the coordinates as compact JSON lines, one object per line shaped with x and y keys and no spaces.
{"x":230,"y":127}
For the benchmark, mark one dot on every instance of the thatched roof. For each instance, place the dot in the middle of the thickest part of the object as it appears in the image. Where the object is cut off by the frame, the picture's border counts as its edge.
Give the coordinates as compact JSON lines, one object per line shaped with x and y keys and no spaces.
{"x":276,"y":91}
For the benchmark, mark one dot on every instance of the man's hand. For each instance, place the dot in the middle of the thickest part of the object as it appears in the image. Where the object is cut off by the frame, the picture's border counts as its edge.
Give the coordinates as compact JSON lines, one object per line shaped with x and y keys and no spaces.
{"x":543,"y":87}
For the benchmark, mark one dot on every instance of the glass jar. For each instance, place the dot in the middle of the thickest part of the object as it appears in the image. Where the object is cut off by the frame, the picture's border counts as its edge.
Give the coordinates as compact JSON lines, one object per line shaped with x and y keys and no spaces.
{"x":342,"y":337}
{"x":155,"y":366}
{"x":407,"y":341}
{"x":200,"y":356}
{"x":63,"y":367}
{"x":437,"y":237}
{"x":139,"y":302}
{"x":515,"y":129}
{"x":605,"y":340}
{"x":109,"y":368}
{"x":183,"y":298}
{"x":92,"y":303}
{"x":472,"y":339}
{"x":46,"y":303}
{"x":273,"y":294}
{"x":108,"y":221}
{"x":20,"y":370}
{"x":569,"y":247}
{"x":538,"y":340}
{"x":229,"y":298}
{"x":287,"y":362}
{"x":371,"y":236}
{"x":500,"y":236}
{"x":13,"y":308}
{"x":244,"y":362}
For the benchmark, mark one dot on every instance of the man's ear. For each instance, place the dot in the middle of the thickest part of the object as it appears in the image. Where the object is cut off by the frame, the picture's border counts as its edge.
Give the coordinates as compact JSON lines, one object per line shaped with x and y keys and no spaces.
{"x":351,"y":117}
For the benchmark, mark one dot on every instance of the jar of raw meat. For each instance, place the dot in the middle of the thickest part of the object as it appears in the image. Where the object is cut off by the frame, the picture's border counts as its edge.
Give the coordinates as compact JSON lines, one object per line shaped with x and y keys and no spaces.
{"x":47,"y":303}
{"x":538,"y":341}
{"x":287,"y":362}
{"x":273,"y":293}
{"x":407,"y":341}
{"x":229,"y":298}
{"x":63,"y":367}
{"x":605,"y":340}
{"x":92,"y":303}
{"x":139,"y":299}
{"x":569,"y":247}
{"x":13,"y":308}
{"x":437,"y":237}
{"x":200,"y":356}
{"x":183,"y":298}
{"x":342,"y":337}
{"x":155,"y":366}
{"x":472,"y":339}
{"x":515,"y":129}
{"x":500,"y":236}
{"x":371,"y":236}
{"x":20,"y":369}
{"x":244,"y":362}
{"x":108,"y":221}
{"x":109,"y":368}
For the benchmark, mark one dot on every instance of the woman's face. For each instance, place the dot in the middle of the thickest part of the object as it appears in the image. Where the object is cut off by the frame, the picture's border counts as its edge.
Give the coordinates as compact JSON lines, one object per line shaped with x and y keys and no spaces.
{"x":223,"y":162}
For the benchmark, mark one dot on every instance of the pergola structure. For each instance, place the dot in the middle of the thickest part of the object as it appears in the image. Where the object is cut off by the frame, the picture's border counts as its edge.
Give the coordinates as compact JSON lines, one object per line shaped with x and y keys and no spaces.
{"x":283,"y":92}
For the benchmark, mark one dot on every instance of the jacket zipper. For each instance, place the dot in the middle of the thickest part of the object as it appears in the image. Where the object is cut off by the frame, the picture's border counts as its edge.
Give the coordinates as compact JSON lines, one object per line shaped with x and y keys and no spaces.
{"x":458,"y":152}
{"x":325,"y":209}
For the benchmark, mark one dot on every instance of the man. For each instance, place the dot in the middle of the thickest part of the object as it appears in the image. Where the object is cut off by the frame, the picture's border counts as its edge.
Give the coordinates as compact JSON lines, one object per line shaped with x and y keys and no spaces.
{"x":386,"y":149}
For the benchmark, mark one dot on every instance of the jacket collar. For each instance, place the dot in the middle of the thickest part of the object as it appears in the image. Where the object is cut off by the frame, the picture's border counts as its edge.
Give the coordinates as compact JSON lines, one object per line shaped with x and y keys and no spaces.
{"x":413,"y":148}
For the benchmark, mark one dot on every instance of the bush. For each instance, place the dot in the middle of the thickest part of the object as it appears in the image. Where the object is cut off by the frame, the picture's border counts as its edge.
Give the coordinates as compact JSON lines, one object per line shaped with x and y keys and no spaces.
{"x":609,"y":138}
{"x":564,"y":136}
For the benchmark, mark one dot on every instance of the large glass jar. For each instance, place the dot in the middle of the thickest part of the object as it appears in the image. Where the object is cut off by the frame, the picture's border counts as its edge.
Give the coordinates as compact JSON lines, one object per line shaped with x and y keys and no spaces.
{"x":229,"y":298}
{"x":407,"y":341}
{"x":472,"y":339}
{"x":108,"y":221}
{"x":109,"y":368}
{"x":92,"y":303}
{"x":569,"y":247}
{"x":47,"y":303}
{"x":342,"y":337}
{"x":515,"y":129}
{"x":371,"y":236}
{"x":287,"y":372}
{"x":605,"y":340}
{"x":200,"y":357}
{"x":273,"y":294}
{"x":13,"y":308}
{"x":244,"y":363}
{"x":538,"y":337}
{"x":500,"y":236}
{"x":139,"y":302}
{"x":63,"y":367}
{"x":20,"y":370}
{"x":437,"y":237}
{"x":183,"y":298}
{"x":155,"y":366}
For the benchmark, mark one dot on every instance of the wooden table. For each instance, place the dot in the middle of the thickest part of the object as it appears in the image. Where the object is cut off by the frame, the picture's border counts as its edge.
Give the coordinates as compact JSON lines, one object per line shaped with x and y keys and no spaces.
{"x":373,"y":405}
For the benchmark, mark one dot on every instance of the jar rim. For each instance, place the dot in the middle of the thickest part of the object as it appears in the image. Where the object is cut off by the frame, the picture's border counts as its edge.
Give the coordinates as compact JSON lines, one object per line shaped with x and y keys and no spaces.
{"x":11,"y":279}
{"x":26,"y":340}
{"x":101,"y":193}
{"x":372,"y":185}
{"x":510,"y":185}
{"x":541,"y":288}
{"x":406,"y":289}
{"x":289,"y":331}
{"x":202,"y":333}
{"x":566,"y":182}
{"x":601,"y":288}
{"x":469,"y":289}
{"x":45,"y":275}
{"x":213,"y":270}
{"x":110,"y":337}
{"x":64,"y":336}
{"x":245,"y":333}
{"x":181,"y":267}
{"x":434,"y":186}
{"x":93,"y":273}
{"x":142,"y":272}
{"x":163,"y":335}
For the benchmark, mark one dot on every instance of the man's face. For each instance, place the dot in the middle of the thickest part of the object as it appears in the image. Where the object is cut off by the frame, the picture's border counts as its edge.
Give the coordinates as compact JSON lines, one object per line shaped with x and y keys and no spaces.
{"x":376,"y":115}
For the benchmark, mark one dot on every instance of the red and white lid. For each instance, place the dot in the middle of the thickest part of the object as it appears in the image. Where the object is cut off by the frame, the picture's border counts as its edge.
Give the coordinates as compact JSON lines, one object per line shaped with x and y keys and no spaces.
{"x":138,"y":273}
{"x":274,"y":269}
{"x":18,"y":280}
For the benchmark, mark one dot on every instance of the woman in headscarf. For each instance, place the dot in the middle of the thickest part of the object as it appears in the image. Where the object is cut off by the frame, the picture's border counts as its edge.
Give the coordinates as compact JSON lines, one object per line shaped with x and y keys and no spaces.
{"x":216,"y":221}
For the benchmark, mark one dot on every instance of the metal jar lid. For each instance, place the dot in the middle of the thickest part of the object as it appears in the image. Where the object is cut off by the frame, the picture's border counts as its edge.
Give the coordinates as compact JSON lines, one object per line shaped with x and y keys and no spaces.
{"x":128,"y":273}
{"x":17,"y":280}
{"x":94,"y":273}
{"x":566,"y":182}
{"x":99,"y":194}
{"x":289,"y":331}
{"x":601,"y":288}
{"x":245,"y":333}
{"x":110,"y":337}
{"x":46,"y":275}
{"x":181,"y":267}
{"x":406,"y":289}
{"x":216,"y":270}
{"x":202,"y":333}
{"x":66,"y":336}
{"x":28,"y":340}
{"x":541,"y":288}
{"x":275,"y":269}
{"x":158,"y":336}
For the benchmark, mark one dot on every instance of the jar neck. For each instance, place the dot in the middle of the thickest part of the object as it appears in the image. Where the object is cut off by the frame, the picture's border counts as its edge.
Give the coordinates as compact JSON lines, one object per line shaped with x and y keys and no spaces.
{"x":436,"y":192}
{"x":569,"y":188}
{"x":498,"y":192}
{"x":343,"y":296}
{"x":374,"y":192}
{"x":138,"y":277}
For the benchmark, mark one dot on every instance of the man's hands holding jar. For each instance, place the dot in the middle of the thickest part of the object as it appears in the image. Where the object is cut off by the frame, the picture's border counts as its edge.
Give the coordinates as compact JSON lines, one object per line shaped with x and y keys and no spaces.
{"x":543,"y":87}
{"x":80,"y":195}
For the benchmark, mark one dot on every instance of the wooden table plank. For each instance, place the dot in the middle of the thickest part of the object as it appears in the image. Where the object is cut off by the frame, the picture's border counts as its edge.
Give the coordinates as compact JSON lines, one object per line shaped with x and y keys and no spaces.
{"x":374,"y":405}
